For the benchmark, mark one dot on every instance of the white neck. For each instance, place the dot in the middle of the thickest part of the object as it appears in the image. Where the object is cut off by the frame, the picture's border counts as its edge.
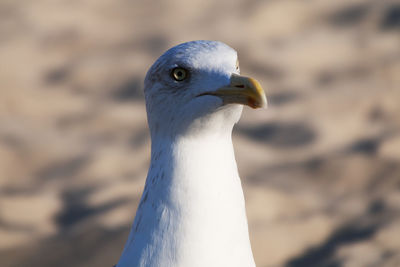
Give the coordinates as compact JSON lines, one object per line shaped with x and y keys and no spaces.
{"x":192,"y":209}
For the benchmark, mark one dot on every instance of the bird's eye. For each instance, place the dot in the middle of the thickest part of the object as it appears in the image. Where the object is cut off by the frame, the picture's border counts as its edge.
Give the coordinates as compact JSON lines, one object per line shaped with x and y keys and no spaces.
{"x":179,"y":74}
{"x":237,"y":64}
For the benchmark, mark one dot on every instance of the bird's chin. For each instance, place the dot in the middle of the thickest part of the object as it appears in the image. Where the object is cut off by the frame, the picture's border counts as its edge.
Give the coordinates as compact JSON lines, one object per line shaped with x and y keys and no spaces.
{"x":216,"y":103}
{"x":232,"y":112}
{"x":209,"y":115}
{"x":208,"y":104}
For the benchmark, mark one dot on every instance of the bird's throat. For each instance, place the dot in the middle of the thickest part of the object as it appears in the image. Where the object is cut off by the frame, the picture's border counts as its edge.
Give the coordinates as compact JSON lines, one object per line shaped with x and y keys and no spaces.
{"x":193,"y":195}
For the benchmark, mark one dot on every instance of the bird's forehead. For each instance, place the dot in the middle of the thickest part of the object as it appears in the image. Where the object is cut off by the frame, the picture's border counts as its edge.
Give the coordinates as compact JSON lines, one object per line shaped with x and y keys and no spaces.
{"x":201,"y":55}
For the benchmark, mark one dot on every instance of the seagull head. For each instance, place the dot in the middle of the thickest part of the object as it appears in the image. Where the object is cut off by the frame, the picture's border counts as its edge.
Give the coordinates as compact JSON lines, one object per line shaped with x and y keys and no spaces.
{"x":196,"y":87}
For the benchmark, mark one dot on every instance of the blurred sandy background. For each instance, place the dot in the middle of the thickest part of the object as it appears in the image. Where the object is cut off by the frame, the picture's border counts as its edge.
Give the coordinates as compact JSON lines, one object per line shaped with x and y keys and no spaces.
{"x":320,"y":167}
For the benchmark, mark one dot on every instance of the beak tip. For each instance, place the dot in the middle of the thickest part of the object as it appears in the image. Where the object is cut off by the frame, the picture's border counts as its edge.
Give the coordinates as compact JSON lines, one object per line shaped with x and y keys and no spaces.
{"x":263,"y":102}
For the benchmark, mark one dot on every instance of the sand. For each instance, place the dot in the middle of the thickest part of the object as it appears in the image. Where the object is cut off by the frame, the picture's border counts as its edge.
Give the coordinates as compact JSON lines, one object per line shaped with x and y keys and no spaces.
{"x":320,"y":167}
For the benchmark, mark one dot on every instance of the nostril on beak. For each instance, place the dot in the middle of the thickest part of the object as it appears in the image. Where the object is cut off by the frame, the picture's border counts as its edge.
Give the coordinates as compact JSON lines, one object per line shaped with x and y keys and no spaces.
{"x":239,"y":86}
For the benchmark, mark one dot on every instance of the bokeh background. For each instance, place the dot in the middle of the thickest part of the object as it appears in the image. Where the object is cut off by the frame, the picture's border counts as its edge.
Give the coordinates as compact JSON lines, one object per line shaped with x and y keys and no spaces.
{"x":320,"y":167}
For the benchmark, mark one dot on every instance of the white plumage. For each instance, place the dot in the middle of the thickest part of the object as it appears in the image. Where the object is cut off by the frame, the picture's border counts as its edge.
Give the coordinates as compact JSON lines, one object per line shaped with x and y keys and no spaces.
{"x":192,"y":211}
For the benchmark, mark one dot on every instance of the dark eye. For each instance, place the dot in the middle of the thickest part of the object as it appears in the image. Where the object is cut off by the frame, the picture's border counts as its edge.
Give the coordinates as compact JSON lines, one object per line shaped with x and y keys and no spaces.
{"x":237,"y":64}
{"x":179,"y":74}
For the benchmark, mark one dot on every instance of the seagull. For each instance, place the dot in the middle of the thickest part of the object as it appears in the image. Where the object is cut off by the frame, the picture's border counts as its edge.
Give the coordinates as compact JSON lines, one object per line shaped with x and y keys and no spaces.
{"x":192,"y":210}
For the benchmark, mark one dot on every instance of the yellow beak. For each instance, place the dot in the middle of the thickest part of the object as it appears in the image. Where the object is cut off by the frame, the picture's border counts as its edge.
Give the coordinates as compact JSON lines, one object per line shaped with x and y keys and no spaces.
{"x":242,"y":90}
